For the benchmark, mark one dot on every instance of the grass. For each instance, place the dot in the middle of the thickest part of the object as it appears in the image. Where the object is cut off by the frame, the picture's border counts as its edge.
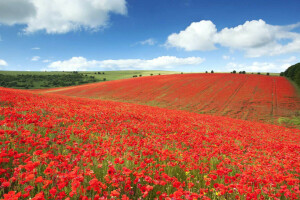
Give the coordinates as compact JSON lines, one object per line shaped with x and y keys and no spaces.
{"x":88,"y":77}
{"x":295,"y":85}
{"x":116,"y":75}
{"x":293,"y":121}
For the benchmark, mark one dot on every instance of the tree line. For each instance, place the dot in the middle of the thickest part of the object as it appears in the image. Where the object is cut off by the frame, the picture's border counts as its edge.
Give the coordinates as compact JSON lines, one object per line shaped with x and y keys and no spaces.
{"x":30,"y":81}
{"x":293,"y":73}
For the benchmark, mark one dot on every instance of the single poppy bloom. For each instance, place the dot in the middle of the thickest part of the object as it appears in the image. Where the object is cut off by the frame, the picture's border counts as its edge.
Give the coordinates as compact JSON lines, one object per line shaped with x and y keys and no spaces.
{"x":115,"y":193}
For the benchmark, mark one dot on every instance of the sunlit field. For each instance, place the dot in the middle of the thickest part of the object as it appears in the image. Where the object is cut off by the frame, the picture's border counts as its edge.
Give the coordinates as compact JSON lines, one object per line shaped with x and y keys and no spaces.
{"x":58,"y":147}
{"x":242,"y":96}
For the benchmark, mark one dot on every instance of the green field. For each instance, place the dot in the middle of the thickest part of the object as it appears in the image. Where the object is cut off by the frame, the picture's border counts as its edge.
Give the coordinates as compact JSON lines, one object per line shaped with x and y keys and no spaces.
{"x":39,"y":80}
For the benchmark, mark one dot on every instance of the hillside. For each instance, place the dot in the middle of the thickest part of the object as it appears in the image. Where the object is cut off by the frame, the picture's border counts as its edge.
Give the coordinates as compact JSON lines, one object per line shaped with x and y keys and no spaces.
{"x":44,"y":79}
{"x":241,"y":96}
{"x":58,"y":147}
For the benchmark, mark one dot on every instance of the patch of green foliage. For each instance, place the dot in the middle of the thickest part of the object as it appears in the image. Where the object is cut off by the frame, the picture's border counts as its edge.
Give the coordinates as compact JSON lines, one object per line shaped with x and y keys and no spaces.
{"x":293,"y":121}
{"x":293,"y":73}
{"x":37,"y":80}
{"x":31,"y":81}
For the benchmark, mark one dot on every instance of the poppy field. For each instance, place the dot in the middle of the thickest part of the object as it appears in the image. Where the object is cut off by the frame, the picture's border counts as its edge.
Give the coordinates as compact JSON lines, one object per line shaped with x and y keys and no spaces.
{"x":241,"y":96}
{"x":60,"y":147}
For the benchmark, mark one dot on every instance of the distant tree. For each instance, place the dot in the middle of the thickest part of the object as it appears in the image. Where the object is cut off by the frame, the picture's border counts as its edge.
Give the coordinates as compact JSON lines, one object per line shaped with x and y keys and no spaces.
{"x":268,"y":74}
{"x":234,"y":72}
{"x":103,"y":73}
{"x":151,"y":74}
{"x":281,"y":73}
{"x":206,"y":72}
{"x":134,"y":76}
{"x":244,"y":72}
{"x":240,"y":72}
{"x":140,"y":75}
{"x":159,"y":74}
{"x":258,"y":72}
{"x":181,"y":72}
{"x":212,"y":71}
{"x":104,"y":79}
{"x":293,"y":73}
{"x":99,"y":72}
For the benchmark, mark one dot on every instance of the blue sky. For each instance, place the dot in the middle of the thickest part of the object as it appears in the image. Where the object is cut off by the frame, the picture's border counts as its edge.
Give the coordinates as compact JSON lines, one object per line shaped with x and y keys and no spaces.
{"x":181,"y":35}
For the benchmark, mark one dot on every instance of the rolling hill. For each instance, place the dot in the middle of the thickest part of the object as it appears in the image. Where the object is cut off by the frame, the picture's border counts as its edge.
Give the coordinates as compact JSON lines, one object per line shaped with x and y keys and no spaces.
{"x":242,"y":96}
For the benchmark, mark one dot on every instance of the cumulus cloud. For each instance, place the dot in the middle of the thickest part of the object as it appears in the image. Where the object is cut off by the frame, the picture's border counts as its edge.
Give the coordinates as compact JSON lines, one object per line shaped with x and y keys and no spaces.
{"x":73,"y":64}
{"x":256,"y":38}
{"x":251,"y":34}
{"x":35,"y":58}
{"x":258,"y":67}
{"x":292,"y":59}
{"x":163,"y":62}
{"x":3,"y":62}
{"x":197,"y":36}
{"x":59,"y":16}
{"x":16,"y":11}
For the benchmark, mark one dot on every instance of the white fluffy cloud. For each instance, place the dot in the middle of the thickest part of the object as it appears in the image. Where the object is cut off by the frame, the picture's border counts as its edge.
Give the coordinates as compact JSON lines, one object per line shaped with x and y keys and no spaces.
{"x":251,"y":34}
{"x":59,"y":16}
{"x":259,"y":67}
{"x":197,"y":36}
{"x":16,"y":11}
{"x":163,"y":62}
{"x":74,"y":64}
{"x":256,"y":38}
{"x":3,"y":62}
{"x":292,"y":59}
{"x":35,"y":58}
